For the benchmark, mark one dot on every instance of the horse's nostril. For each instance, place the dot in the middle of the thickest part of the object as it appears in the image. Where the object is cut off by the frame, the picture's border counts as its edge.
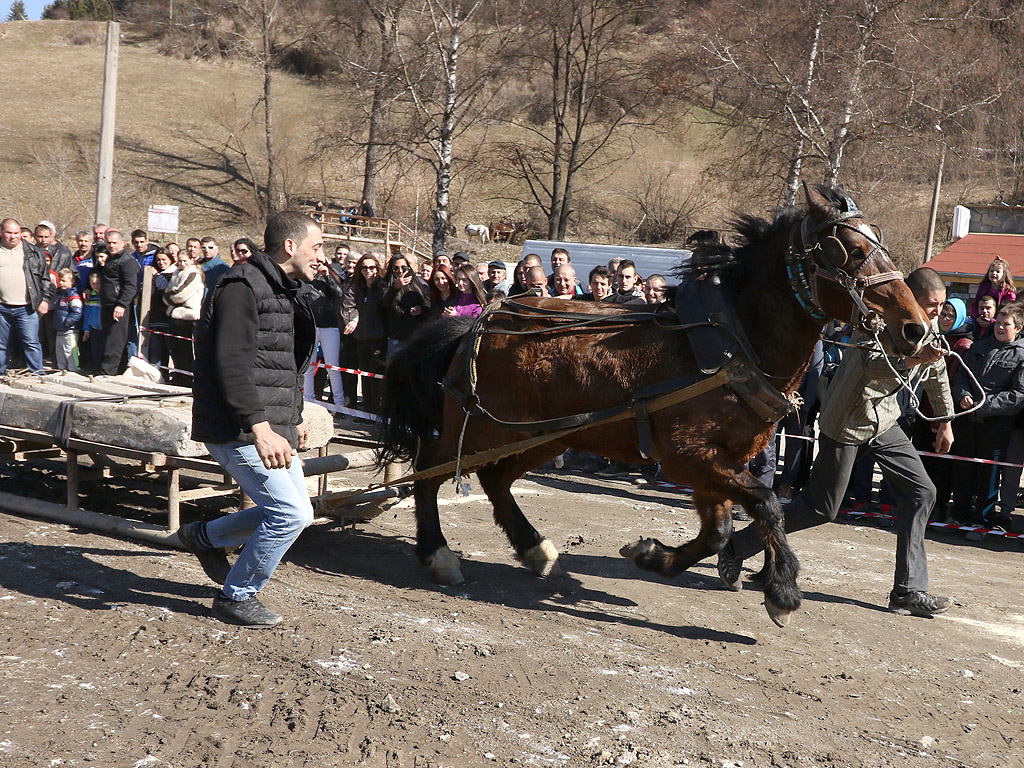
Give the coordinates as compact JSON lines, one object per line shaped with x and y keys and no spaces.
{"x":914,"y":332}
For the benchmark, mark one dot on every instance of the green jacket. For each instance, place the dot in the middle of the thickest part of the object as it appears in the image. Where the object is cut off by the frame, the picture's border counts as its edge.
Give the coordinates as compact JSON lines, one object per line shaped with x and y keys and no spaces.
{"x":861,"y":401}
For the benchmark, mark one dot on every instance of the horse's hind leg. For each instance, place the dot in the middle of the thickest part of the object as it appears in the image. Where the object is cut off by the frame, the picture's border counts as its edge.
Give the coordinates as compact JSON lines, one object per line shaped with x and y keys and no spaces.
{"x":715,"y":528}
{"x":531,"y":548}
{"x":431,"y":545}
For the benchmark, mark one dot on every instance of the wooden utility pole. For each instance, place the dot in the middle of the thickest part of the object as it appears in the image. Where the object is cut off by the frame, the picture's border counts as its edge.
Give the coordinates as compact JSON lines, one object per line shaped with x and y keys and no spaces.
{"x":105,"y":172}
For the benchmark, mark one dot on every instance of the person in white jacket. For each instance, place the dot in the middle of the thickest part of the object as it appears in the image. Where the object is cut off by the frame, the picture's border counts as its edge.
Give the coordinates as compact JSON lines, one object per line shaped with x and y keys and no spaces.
{"x":184,"y":299}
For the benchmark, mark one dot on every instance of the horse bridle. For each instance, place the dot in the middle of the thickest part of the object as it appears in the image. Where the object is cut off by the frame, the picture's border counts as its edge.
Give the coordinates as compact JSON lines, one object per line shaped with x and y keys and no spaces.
{"x":812,"y":260}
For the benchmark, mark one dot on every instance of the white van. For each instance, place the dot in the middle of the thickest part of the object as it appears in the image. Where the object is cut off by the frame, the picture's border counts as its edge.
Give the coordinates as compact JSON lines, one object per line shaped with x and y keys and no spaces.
{"x":586,"y":256}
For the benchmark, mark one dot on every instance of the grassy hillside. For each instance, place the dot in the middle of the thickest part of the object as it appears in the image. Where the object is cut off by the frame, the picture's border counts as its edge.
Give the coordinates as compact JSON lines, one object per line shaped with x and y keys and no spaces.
{"x":182,"y":129}
{"x":189,"y":133}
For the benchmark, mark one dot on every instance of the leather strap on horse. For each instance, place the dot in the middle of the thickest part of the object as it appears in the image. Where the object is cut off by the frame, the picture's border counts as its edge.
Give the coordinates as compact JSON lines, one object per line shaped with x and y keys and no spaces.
{"x":483,"y":458}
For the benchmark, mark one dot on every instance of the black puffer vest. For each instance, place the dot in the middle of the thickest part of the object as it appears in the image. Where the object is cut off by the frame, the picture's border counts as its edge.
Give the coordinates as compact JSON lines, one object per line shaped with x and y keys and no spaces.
{"x":285,"y":337}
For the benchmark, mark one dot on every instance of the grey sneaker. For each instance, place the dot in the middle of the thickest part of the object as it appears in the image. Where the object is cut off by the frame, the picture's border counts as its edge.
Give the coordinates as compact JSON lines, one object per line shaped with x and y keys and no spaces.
{"x":729,"y":565}
{"x":213,"y":559}
{"x":918,"y":604}
{"x":246,"y":613}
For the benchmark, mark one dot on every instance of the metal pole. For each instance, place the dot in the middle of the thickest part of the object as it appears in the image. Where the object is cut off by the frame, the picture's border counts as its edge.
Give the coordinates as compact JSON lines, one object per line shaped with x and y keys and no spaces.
{"x":105,"y":172}
{"x":936,"y":190}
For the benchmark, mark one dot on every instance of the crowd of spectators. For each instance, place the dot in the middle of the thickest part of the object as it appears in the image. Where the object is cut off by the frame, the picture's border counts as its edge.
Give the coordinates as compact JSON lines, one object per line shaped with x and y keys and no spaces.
{"x":81,"y":310}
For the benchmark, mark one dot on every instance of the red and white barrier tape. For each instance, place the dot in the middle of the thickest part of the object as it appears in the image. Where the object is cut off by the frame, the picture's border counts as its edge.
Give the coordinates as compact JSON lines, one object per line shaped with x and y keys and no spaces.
{"x":164,"y":333}
{"x":856,"y":513}
{"x":356,"y":371}
{"x":932,"y":454}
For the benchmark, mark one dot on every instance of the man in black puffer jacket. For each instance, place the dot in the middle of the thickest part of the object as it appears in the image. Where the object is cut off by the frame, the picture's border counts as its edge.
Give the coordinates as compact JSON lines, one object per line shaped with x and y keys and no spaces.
{"x":253,"y":341}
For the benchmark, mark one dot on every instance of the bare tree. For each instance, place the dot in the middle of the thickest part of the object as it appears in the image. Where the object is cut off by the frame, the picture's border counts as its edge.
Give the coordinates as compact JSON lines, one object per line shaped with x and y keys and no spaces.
{"x":588,"y":84}
{"x":258,"y":34}
{"x":445,"y":96}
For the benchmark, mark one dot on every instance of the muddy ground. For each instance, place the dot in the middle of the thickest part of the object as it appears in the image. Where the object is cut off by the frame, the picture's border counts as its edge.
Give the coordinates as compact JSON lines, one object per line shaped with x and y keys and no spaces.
{"x":108,"y":655}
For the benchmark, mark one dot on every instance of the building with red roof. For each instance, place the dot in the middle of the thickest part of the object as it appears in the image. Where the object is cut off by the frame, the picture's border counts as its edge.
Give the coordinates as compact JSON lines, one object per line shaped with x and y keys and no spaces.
{"x":993,"y":230}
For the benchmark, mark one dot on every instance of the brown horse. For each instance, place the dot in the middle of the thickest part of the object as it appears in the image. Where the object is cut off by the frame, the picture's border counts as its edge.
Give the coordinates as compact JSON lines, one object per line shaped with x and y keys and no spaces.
{"x":530,"y":364}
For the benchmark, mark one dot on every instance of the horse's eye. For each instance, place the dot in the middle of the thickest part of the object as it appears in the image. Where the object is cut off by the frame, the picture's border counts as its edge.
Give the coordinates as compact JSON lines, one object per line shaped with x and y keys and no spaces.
{"x":857,"y":253}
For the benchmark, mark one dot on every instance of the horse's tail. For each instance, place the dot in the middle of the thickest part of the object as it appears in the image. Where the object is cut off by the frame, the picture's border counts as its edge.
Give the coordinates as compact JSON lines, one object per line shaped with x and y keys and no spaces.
{"x":412,"y":402}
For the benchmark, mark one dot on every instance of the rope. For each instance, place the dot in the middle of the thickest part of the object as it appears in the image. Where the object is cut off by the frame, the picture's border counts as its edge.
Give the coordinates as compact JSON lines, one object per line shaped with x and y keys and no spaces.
{"x":461,"y":485}
{"x":915,"y":401}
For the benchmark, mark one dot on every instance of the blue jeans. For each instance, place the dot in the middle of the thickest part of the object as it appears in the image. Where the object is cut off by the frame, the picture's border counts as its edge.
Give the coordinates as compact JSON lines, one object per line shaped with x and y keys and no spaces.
{"x":26,"y":325}
{"x":267,"y":530}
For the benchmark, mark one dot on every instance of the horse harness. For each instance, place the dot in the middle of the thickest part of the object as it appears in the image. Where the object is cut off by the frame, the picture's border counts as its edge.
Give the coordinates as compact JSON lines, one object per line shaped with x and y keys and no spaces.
{"x":811,"y":259}
{"x":723,"y":354}
{"x":707,"y":315}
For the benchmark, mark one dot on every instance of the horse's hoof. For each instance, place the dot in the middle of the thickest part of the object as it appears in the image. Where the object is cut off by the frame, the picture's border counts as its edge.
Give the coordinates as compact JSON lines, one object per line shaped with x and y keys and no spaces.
{"x":543,"y":559}
{"x":779,"y":615}
{"x":640,"y":548}
{"x":444,"y":567}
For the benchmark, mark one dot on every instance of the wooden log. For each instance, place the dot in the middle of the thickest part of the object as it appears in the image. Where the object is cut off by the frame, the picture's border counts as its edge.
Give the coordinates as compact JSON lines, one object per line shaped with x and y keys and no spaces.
{"x":134,"y":425}
{"x":161,"y":425}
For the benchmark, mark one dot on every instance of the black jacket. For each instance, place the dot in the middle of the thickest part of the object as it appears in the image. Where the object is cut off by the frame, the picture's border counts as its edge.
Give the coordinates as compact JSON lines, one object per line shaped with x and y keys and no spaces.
{"x":398,"y":301}
{"x":999,"y":368}
{"x":373,"y":318}
{"x":37,"y":277}
{"x":60,"y":256}
{"x":253,"y":341}
{"x":325,"y":300}
{"x":119,"y":280}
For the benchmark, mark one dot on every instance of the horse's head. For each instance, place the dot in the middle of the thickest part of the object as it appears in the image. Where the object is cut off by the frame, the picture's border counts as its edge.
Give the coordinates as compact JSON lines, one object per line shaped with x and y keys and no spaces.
{"x":853,"y":277}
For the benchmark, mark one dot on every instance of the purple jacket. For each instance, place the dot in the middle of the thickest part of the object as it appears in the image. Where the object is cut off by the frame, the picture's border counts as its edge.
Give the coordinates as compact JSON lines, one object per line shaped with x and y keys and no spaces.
{"x":467,"y":306}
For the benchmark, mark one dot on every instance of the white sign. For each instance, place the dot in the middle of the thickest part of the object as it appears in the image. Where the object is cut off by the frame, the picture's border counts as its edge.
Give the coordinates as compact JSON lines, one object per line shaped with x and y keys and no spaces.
{"x":163,"y":218}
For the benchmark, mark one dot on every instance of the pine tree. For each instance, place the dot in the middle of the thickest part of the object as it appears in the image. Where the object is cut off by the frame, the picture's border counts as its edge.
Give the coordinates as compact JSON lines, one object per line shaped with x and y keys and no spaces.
{"x":97,"y":10}
{"x":18,"y":12}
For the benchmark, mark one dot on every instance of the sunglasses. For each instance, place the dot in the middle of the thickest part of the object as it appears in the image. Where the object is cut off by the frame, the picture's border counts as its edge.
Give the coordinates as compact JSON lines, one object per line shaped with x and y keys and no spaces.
{"x":401,"y":271}
{"x":244,"y":251}
{"x":368,"y":268}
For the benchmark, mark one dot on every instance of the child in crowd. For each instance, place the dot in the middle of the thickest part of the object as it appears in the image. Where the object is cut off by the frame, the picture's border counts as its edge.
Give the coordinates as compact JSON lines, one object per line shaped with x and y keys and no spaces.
{"x":67,"y":313}
{"x":997,"y":361}
{"x":92,"y":328}
{"x":998,"y":282}
{"x":987,"y":308}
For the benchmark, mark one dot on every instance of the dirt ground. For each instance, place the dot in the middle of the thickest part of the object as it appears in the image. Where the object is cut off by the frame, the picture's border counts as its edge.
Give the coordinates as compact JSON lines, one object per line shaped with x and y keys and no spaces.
{"x":108,"y":655}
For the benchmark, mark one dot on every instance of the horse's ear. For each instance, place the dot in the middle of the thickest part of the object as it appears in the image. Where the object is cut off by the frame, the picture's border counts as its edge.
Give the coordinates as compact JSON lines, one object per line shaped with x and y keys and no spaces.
{"x":817,"y":204}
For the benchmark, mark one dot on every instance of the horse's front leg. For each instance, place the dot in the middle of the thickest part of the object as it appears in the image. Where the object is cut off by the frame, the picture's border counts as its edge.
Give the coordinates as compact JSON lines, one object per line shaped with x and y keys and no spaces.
{"x":781,"y":567}
{"x":782,"y":596}
{"x":431,"y":545}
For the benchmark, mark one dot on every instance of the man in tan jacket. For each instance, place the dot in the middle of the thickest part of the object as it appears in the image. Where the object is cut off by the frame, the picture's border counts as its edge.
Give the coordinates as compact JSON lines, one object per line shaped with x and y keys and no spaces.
{"x":859,"y":416}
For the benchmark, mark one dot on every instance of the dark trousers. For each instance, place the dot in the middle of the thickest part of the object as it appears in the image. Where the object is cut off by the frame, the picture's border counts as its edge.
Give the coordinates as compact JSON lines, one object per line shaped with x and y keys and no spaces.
{"x":349,"y":359}
{"x":763,"y":465}
{"x":115,"y":341}
{"x":371,"y":356}
{"x":799,"y":454}
{"x":985,"y":439}
{"x":939,"y":470}
{"x":820,"y":499}
{"x":181,"y":350}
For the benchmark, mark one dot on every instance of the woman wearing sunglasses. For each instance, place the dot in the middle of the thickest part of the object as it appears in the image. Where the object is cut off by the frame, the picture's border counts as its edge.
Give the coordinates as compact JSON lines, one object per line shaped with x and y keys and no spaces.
{"x":371,"y":331}
{"x":405,"y":302}
{"x":325,"y":294}
{"x":242,"y":250}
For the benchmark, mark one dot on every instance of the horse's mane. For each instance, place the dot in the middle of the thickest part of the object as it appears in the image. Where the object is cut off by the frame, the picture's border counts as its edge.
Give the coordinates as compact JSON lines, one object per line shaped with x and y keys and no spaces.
{"x":755,"y":233}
